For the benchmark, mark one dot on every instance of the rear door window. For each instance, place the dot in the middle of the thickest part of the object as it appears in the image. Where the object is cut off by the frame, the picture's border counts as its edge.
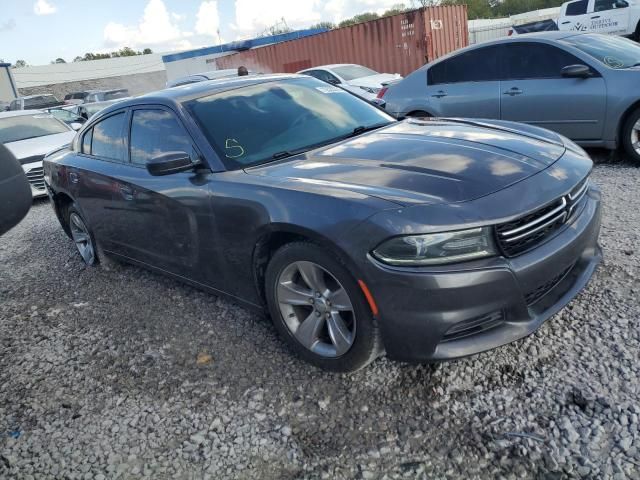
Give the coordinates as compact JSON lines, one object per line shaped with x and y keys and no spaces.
{"x":107,"y":141}
{"x":577,"y":8}
{"x":478,"y":65}
{"x":530,"y":60}
{"x":155,"y":132}
{"x":324,"y":76}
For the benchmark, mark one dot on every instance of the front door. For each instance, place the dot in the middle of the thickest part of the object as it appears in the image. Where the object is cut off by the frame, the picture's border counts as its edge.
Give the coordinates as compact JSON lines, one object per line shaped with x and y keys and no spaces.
{"x":535,"y":92}
{"x":168,"y":218}
{"x":466,"y":85}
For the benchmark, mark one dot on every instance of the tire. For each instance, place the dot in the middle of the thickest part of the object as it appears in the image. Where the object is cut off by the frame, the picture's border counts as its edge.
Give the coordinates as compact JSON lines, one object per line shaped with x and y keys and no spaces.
{"x":631,"y":136}
{"x":341,"y":336}
{"x":82,"y":235}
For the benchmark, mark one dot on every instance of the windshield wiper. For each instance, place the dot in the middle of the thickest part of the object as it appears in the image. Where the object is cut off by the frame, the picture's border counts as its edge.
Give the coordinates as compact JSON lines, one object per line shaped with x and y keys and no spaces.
{"x":362,"y":129}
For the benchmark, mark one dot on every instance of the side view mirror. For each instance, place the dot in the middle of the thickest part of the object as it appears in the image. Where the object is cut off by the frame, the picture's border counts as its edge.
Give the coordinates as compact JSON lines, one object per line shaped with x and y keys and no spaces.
{"x":576,"y":71}
{"x":333,"y":81}
{"x":170,"y":162}
{"x":379,"y":102}
{"x":75,"y":125}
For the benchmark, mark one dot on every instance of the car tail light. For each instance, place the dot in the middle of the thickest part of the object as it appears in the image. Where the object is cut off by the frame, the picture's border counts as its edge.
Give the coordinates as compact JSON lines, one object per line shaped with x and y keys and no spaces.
{"x":382,"y":91}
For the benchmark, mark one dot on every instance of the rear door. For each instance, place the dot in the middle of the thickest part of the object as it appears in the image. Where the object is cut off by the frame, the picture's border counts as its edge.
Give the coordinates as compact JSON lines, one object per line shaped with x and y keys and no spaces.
{"x":168,"y":218}
{"x":533,"y":91}
{"x":92,"y":178}
{"x":466,"y":85}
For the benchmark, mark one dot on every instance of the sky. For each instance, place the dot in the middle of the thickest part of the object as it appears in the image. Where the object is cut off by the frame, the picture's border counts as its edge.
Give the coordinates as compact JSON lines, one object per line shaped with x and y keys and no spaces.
{"x":39,"y":31}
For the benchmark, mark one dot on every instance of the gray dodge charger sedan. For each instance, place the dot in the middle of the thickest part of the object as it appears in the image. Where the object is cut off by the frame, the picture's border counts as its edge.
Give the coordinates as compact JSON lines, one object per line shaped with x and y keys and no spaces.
{"x":360,"y":234}
{"x":583,"y":86}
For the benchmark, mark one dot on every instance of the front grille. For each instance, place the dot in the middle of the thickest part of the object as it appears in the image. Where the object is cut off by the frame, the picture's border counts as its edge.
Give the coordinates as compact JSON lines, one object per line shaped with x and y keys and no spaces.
{"x":36,"y":178}
{"x":473,"y":326}
{"x":524,"y":233}
{"x":541,"y":290}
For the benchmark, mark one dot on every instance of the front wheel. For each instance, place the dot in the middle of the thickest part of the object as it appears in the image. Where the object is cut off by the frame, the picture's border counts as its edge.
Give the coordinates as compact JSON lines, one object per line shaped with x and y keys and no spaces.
{"x":631,"y":136}
{"x":82,"y":236}
{"x":319,"y":309}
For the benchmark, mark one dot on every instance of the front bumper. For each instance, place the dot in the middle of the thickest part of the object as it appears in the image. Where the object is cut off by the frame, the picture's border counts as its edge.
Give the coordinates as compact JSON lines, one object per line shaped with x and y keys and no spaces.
{"x":432,"y":315}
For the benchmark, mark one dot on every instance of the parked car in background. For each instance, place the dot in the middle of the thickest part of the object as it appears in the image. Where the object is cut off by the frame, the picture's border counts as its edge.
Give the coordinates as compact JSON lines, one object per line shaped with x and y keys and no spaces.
{"x":67,"y":115}
{"x":89,"y":96}
{"x":204,"y":76}
{"x":582,"y":86}
{"x":87,"y":110}
{"x":614,"y":17}
{"x":29,"y":136}
{"x":34,"y":102}
{"x":362,"y":81}
{"x":428,"y":240}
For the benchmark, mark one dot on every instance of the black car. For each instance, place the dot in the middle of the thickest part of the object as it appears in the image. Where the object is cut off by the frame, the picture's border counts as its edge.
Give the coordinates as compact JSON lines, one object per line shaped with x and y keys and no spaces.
{"x":360,"y":234}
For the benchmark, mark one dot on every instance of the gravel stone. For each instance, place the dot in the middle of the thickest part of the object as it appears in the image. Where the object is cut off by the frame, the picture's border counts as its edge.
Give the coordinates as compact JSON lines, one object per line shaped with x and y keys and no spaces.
{"x":99,"y":379}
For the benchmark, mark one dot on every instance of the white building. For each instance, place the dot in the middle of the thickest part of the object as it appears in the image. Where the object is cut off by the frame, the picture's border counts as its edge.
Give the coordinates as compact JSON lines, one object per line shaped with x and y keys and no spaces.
{"x":140,"y":74}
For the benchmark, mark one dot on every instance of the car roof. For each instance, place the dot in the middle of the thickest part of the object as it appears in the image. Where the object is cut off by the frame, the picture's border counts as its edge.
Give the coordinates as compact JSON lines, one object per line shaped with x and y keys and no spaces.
{"x":22,"y":113}
{"x":200,"y":89}
{"x":545,"y":36}
{"x":37,"y":95}
{"x":332,"y":65}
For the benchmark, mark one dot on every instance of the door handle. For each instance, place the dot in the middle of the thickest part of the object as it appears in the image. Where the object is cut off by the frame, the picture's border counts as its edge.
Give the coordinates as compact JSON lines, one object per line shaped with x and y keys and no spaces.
{"x":597,"y":16}
{"x":128,"y":193}
{"x":440,"y":94}
{"x":567,"y":22}
{"x":73,"y":177}
{"x":513,"y":91}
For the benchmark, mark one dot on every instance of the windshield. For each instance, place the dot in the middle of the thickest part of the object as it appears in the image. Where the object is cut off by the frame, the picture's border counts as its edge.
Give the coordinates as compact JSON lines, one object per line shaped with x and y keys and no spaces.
{"x":22,"y":127}
{"x":249,"y":125}
{"x":351,"y":72}
{"x":65,"y":115}
{"x":116,"y":94}
{"x":614,"y":52}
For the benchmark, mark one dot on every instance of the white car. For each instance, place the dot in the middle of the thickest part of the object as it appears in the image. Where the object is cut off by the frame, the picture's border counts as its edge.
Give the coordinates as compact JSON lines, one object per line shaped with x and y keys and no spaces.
{"x":30,"y":135}
{"x":362,"y":81}
{"x":204,"y":76}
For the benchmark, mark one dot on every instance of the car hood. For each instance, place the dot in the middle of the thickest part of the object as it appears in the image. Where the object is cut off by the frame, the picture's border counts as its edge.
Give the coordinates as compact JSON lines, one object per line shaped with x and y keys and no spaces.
{"x":374,"y":81}
{"x":39,"y":146}
{"x":434,"y":161}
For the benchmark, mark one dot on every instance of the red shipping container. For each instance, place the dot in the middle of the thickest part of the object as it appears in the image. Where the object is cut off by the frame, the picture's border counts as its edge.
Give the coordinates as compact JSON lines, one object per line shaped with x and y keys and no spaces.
{"x":397,"y":44}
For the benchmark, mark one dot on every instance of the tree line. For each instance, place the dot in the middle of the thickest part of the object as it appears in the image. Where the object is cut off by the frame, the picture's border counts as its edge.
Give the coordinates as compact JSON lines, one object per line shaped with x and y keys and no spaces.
{"x":475,"y":9}
{"x":123,"y":52}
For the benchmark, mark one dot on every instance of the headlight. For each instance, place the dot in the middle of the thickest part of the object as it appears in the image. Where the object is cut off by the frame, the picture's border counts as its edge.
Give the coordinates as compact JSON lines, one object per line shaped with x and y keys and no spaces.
{"x":370,"y":90}
{"x":437,"y":248}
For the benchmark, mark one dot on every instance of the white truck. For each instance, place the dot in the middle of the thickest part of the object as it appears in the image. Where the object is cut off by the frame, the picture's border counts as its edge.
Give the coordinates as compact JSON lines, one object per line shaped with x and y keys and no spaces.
{"x":614,"y":17}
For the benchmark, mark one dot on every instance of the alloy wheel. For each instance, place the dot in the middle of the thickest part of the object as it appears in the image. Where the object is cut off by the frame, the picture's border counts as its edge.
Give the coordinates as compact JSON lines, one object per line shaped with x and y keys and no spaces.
{"x":82,"y":238}
{"x":635,"y":137}
{"x":316,"y":309}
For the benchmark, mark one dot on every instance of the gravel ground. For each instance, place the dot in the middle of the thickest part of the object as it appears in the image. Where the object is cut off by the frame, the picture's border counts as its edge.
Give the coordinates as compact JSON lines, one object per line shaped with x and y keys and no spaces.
{"x":126,"y":374}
